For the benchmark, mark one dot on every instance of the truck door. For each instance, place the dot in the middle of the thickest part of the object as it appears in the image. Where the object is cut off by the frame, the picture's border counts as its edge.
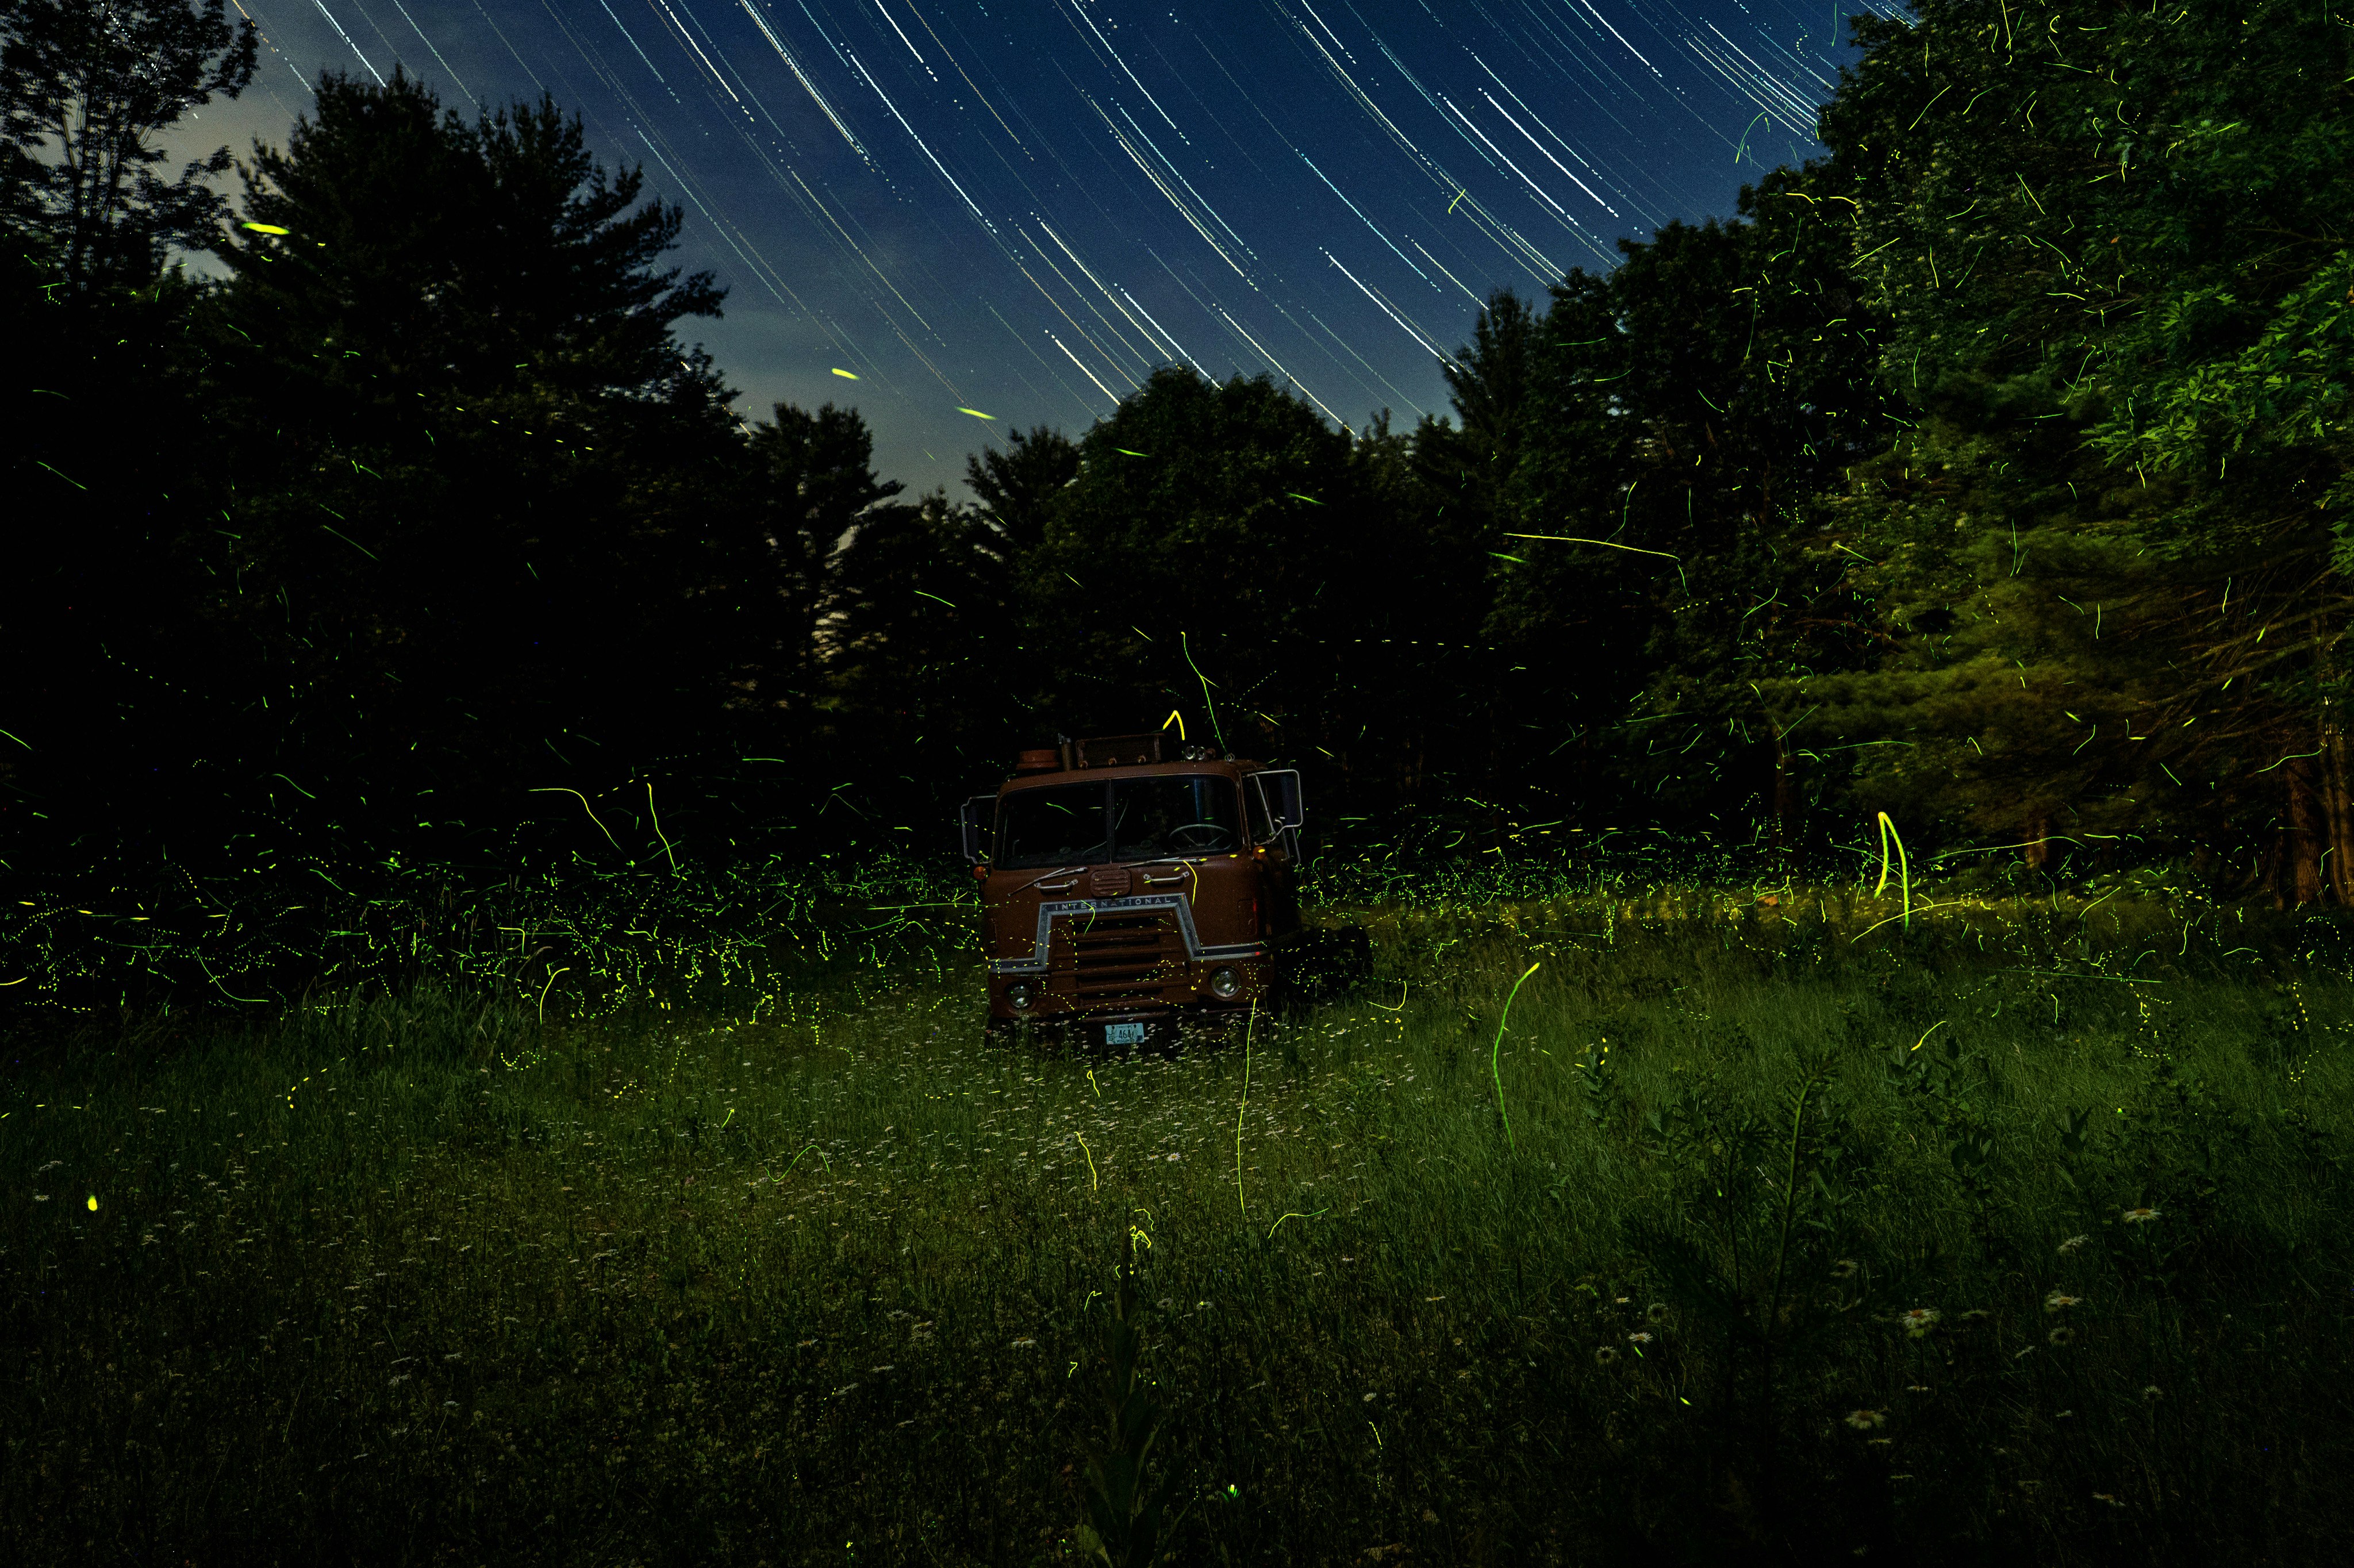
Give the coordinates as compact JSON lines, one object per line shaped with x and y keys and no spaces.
{"x":1280,"y":864}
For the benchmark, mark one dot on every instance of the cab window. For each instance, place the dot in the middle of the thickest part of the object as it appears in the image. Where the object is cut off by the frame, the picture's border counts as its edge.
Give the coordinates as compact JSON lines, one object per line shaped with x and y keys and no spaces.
{"x":1164,"y":818}
{"x":1052,"y":827}
{"x":1262,"y":826}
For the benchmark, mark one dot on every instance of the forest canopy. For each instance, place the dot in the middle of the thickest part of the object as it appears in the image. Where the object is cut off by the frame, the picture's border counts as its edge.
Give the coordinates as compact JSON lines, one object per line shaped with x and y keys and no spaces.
{"x":1991,"y":472}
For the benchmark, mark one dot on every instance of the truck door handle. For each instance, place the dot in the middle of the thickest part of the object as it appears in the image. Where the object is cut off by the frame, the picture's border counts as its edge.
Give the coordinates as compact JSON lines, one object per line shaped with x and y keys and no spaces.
{"x":1055,"y":886}
{"x":1156,"y":880}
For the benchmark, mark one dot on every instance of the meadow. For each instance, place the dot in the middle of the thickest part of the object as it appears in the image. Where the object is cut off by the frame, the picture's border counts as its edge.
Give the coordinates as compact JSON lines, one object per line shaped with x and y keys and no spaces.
{"x":1768,"y":1224}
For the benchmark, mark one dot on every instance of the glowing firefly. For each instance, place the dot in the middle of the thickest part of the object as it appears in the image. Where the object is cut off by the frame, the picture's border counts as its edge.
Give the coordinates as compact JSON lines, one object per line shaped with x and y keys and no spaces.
{"x":976,"y":413}
{"x":267,"y":228}
{"x":845,"y":375}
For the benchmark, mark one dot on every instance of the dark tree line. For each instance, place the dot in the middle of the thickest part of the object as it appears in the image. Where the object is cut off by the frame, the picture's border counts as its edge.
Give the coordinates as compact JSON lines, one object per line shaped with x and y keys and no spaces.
{"x":1990,"y":472}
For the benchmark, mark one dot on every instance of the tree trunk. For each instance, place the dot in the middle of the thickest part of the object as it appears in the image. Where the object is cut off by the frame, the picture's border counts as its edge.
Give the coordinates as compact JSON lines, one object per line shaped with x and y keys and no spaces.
{"x":2305,"y":839}
{"x":2341,"y":815}
{"x":1786,"y":827}
{"x":2037,"y":850}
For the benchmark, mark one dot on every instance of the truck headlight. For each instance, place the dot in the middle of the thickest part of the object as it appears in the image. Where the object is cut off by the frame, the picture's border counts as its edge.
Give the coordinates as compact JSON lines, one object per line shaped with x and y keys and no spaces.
{"x":1019,"y":996}
{"x":1224,"y":984}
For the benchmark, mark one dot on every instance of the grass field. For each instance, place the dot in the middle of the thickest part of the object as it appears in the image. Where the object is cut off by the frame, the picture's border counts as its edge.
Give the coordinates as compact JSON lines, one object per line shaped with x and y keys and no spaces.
{"x":1757,"y":1232}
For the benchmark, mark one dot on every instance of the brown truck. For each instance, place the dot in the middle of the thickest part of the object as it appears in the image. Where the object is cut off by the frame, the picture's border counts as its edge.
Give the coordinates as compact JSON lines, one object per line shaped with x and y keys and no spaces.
{"x":1133,"y":885}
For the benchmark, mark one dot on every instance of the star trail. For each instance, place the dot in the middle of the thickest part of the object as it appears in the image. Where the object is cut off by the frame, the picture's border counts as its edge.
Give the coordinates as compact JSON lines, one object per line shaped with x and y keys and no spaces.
{"x":1023,"y":207}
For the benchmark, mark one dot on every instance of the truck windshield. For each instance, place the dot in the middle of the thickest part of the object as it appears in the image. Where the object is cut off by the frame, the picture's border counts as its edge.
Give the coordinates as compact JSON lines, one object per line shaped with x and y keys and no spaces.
{"x":1061,"y":826}
{"x":1184,"y":815}
{"x":1151,"y":819}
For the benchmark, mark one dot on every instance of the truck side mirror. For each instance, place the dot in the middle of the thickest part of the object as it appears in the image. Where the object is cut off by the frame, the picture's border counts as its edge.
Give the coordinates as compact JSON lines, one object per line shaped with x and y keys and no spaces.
{"x":1279,"y":790}
{"x":973,"y":819}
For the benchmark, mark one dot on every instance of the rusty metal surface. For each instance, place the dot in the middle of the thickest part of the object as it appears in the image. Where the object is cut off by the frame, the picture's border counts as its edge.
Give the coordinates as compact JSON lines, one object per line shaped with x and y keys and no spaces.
{"x":1125,"y":959}
{"x":1139,"y":938}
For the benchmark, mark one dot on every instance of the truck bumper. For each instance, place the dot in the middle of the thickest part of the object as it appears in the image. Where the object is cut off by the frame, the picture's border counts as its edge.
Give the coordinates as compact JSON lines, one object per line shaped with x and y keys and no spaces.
{"x":1120,"y":1028}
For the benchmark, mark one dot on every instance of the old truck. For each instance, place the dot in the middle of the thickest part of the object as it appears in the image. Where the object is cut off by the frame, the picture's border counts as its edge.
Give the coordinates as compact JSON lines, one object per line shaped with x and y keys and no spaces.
{"x":1134,"y":884}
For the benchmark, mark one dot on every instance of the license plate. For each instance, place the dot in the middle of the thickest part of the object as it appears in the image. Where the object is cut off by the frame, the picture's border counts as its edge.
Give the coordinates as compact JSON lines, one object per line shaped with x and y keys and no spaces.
{"x":1123,"y":1033}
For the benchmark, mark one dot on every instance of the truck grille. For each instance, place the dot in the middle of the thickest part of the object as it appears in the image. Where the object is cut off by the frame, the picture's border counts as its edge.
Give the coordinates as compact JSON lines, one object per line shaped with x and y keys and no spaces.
{"x":1116,"y":958}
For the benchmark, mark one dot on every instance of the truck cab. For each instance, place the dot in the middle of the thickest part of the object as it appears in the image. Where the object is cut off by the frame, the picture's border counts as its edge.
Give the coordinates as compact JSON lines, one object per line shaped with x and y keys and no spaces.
{"x":1132,"y":884}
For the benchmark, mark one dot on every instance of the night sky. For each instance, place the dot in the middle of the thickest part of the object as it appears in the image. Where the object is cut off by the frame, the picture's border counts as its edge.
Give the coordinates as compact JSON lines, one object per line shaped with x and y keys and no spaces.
{"x":1022,"y":207}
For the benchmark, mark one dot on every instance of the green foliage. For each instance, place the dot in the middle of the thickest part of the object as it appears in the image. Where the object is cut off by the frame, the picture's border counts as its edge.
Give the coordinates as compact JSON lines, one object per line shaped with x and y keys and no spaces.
{"x":1678,"y":412}
{"x":87,"y":90}
{"x":2102,"y":241}
{"x":460,"y":349}
{"x":528,"y":258}
{"x":694,"y":1282}
{"x":1989,"y":473}
{"x":808,"y":482}
{"x":2281,"y":400}
{"x":1018,"y":486}
{"x":1123,"y":1528}
{"x":1228,"y":529}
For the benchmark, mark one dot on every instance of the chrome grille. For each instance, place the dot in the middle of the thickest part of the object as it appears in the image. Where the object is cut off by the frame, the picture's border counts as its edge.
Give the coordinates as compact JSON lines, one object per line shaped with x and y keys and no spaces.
{"x":1119,"y":959}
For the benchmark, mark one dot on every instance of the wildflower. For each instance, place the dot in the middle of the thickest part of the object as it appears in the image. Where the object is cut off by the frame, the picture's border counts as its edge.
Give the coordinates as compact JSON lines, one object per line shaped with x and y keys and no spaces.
{"x":2140,"y":1217}
{"x":1865,"y":1420}
{"x":1639,"y":1337}
{"x":2108,"y":1499}
{"x":1919,"y":1321}
{"x":1657,"y":1312}
{"x":2152,"y":1394}
{"x":2073,"y":1245}
{"x":1975,"y":1313}
{"x":1369,"y":1398}
{"x":1846,"y":1269}
{"x":1605,"y":1356}
{"x":1916,"y":1388}
{"x":2060,"y":1336}
{"x":1024,"y":1343}
{"x":2060,"y":1301}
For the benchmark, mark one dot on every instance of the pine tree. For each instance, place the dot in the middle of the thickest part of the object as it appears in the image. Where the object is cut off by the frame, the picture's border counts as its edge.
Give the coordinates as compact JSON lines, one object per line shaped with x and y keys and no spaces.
{"x":2073,"y":213}
{"x":474,"y":476}
{"x":1685,"y":409}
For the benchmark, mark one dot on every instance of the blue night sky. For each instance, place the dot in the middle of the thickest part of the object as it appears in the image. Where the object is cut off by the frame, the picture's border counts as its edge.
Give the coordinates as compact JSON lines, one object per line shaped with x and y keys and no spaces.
{"x":1022,"y":207}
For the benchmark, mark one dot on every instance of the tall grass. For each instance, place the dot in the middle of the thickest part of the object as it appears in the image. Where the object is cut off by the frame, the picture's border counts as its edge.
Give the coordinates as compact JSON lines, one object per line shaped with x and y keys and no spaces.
{"x":1812,"y":1237}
